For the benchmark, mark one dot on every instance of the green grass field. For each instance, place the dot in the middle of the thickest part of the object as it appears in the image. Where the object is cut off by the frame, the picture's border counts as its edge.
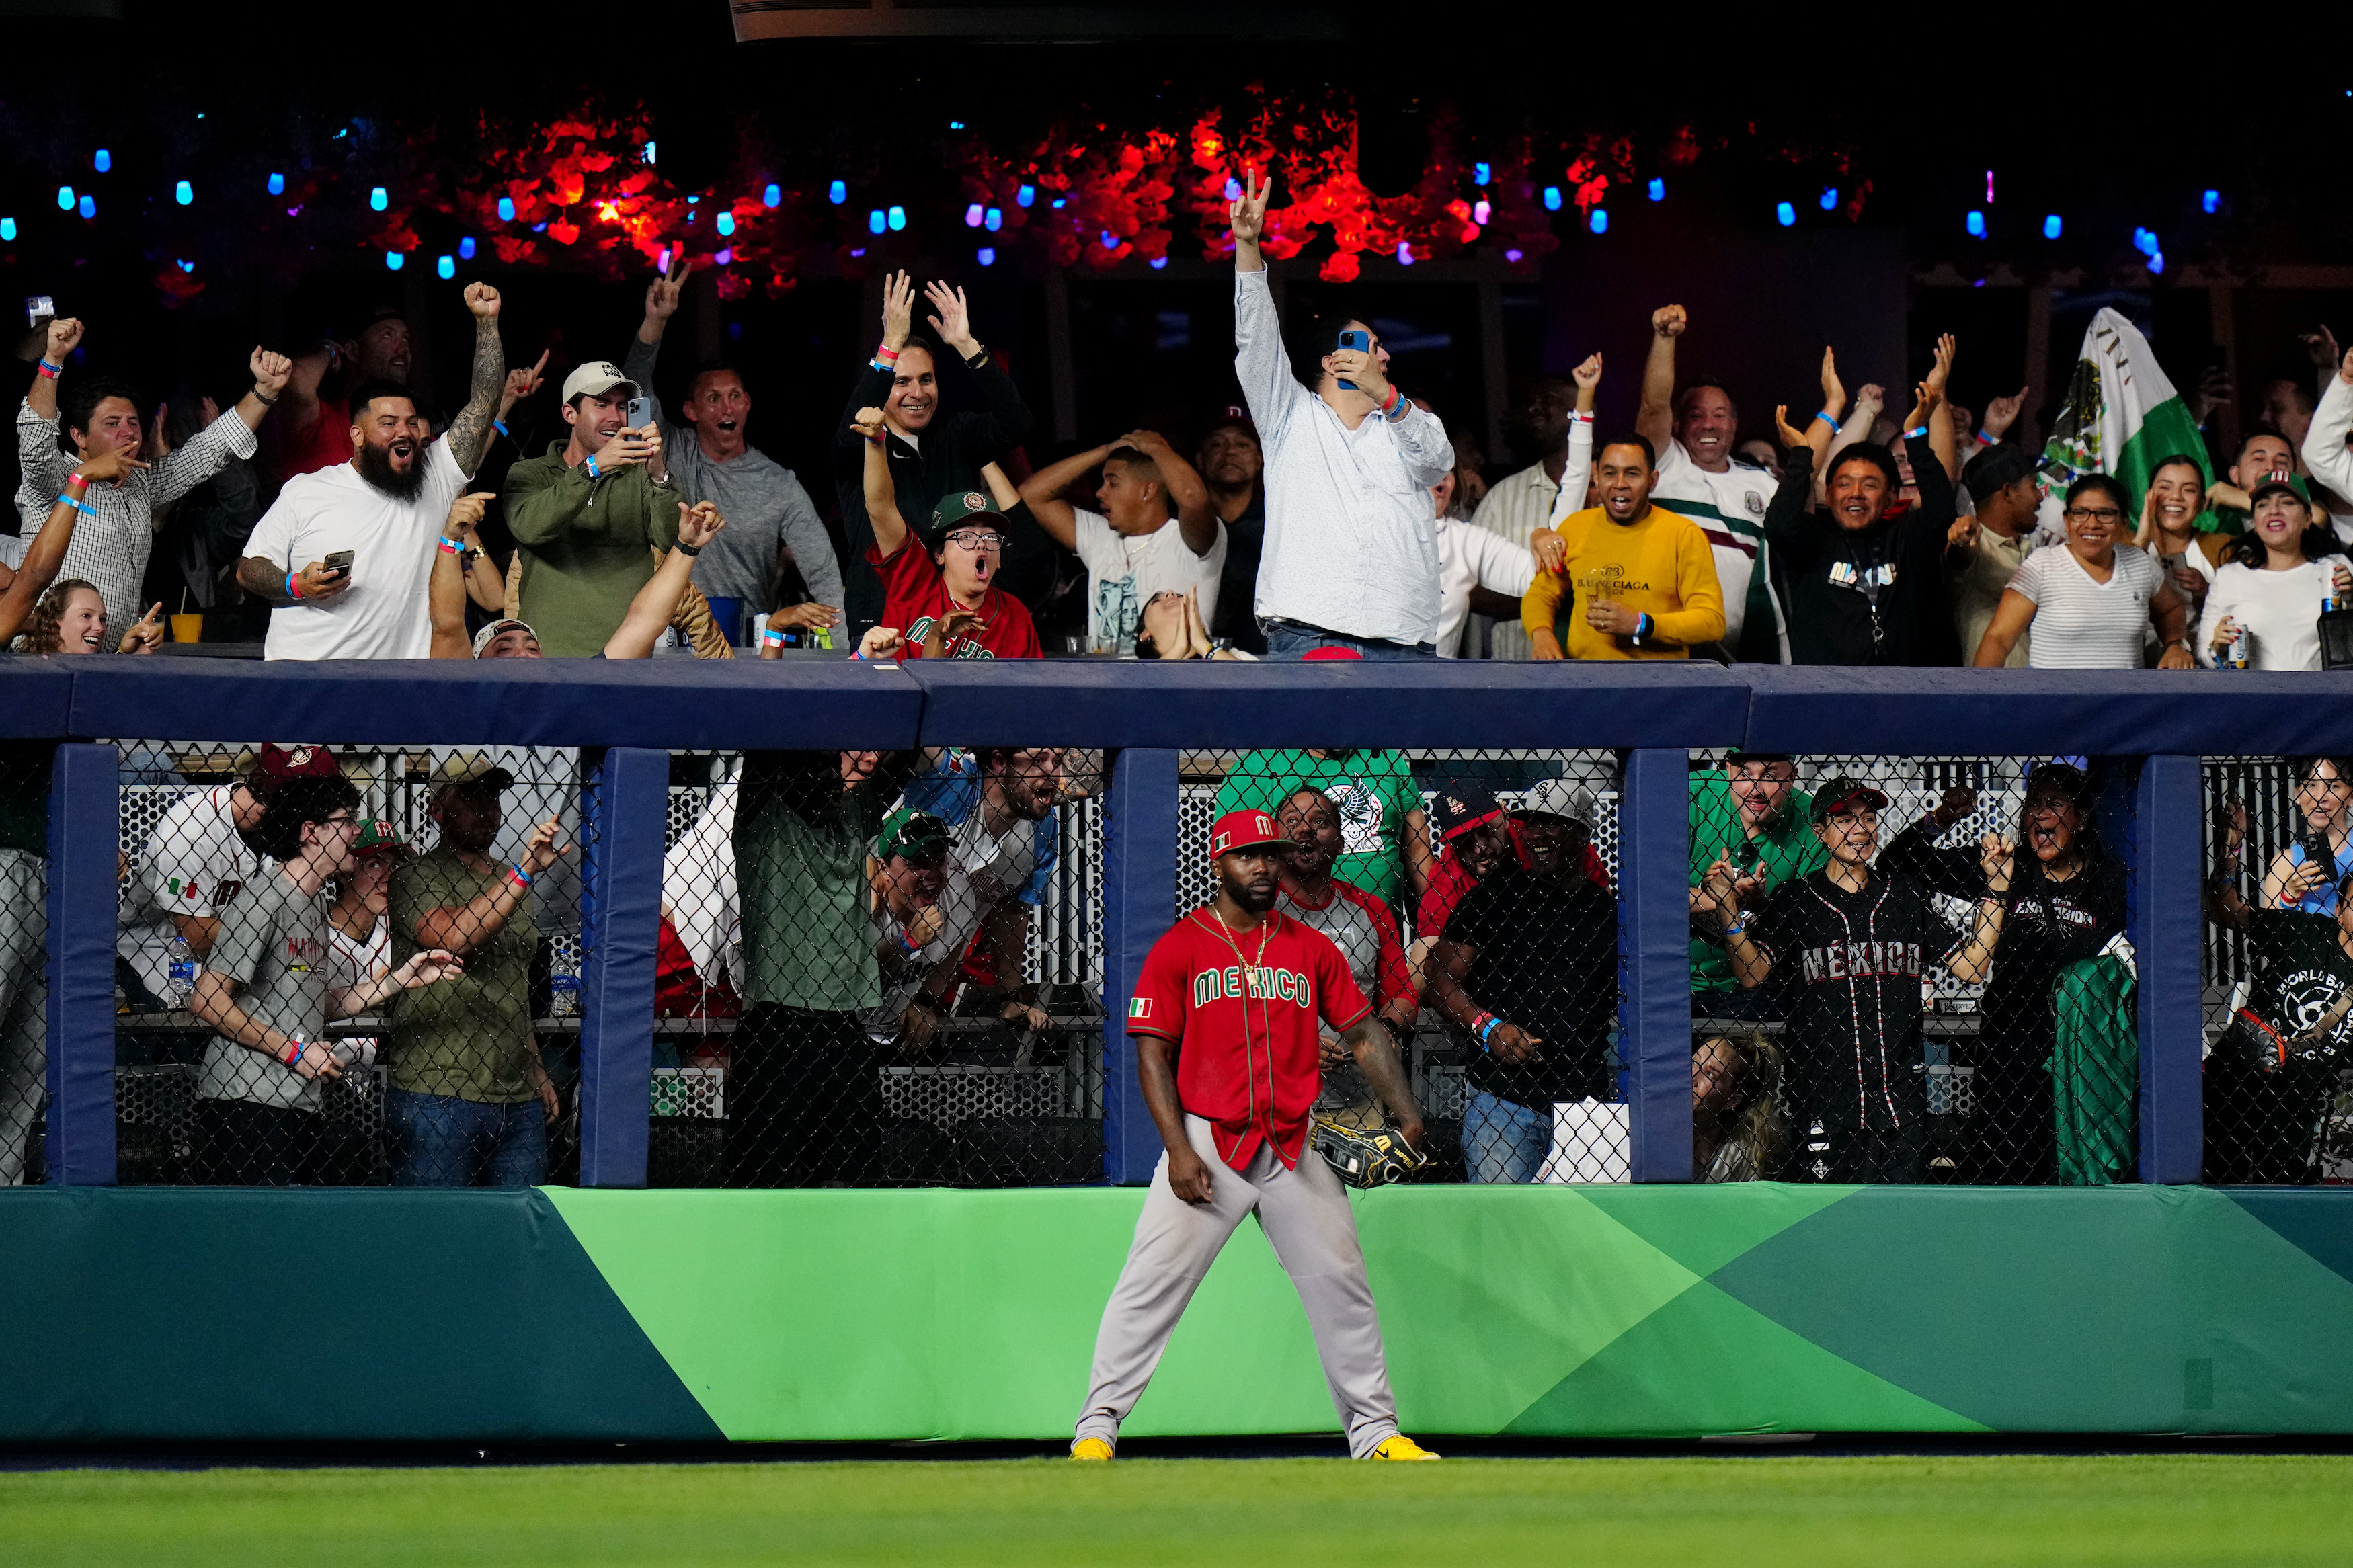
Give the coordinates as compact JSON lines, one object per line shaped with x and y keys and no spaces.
{"x":1736,"y":1512}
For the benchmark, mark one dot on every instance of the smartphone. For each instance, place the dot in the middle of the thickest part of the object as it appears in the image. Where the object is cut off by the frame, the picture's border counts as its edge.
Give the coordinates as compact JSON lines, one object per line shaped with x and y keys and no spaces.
{"x":338,"y":561}
{"x":1360,"y":341}
{"x":38,"y":308}
{"x":640,"y":413}
{"x":2318,"y":851}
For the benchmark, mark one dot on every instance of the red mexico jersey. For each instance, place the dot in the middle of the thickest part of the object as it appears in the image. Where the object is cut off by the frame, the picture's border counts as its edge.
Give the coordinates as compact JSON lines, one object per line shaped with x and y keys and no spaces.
{"x":914,"y":597}
{"x":1241,"y":1008}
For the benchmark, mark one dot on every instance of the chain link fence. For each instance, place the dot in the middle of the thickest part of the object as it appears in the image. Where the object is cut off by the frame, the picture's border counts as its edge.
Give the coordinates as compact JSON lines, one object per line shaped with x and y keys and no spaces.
{"x":2278,"y":971}
{"x":1882,"y":995}
{"x":347,"y":967}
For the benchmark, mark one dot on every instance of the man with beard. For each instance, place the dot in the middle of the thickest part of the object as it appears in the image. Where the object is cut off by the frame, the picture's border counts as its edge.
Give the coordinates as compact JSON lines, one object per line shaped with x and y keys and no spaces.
{"x":588,"y":516}
{"x":1224,"y":1021}
{"x":1697,"y":478}
{"x":469,"y":1100}
{"x":1528,"y":968}
{"x":1366,"y":933}
{"x":384,"y":508}
{"x":930,"y":458}
{"x":1752,"y":816}
{"x":116,"y":520}
{"x":1229,"y":462}
{"x":1859,"y":587}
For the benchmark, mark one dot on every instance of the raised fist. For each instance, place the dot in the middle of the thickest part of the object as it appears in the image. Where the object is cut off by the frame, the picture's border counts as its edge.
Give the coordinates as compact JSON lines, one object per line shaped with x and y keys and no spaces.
{"x":482,"y":300}
{"x":1669,"y":321}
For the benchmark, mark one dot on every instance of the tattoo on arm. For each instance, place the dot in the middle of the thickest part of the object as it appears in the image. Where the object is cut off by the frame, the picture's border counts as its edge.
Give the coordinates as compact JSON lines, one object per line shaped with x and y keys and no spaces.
{"x":469,"y":433}
{"x":263,"y":578}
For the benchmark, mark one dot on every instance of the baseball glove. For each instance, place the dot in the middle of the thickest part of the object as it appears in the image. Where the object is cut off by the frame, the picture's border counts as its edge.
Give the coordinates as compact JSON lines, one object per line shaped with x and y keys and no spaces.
{"x":1363,"y":1159}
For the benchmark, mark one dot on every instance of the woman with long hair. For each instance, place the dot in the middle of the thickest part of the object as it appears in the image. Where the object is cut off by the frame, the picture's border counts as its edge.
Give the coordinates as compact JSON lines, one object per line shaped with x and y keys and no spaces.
{"x":72,"y":618}
{"x":2176,"y":498}
{"x":2279,"y":576}
{"x":1737,"y":1132}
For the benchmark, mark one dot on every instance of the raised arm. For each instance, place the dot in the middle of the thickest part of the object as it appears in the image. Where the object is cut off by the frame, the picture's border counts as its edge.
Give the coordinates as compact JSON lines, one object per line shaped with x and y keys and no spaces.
{"x":446,"y":589}
{"x":1655,"y":421}
{"x":271,"y":371}
{"x":1260,"y":364}
{"x":2325,"y":455}
{"x":652,"y":609}
{"x":1823,"y":429}
{"x":882,"y":494}
{"x":1197,"y":519}
{"x":1004,"y":419}
{"x":1795,"y":494}
{"x":1941,"y":436}
{"x":65,"y":336}
{"x":460,"y":928}
{"x":1043,"y":492}
{"x":469,"y":433}
{"x":47,"y":550}
{"x":1869,"y":403}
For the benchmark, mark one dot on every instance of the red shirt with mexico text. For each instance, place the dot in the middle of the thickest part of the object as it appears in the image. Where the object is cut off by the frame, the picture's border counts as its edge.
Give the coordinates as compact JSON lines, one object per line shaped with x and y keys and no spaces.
{"x":915,"y":595}
{"x":1241,"y":1008}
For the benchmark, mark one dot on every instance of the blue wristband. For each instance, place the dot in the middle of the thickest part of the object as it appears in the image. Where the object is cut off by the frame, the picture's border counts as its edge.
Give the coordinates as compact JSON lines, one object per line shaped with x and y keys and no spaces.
{"x":499,"y":426}
{"x":1909,"y":434}
{"x":1643,"y":627}
{"x":592,"y":466}
{"x":1987,"y":441}
{"x":1825,"y":417}
{"x":83,"y":507}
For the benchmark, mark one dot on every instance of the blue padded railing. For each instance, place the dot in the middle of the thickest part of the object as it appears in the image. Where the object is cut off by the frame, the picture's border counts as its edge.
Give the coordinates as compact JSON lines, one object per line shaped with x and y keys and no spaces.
{"x":625,"y":715}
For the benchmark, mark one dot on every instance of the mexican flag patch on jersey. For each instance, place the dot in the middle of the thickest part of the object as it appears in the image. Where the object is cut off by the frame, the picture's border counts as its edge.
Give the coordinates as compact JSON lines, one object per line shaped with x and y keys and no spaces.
{"x":1141,"y":1008}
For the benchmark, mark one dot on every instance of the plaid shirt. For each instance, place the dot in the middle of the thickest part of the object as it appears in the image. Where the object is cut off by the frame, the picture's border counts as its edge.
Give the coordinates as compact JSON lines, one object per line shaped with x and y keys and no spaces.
{"x":109,"y":548}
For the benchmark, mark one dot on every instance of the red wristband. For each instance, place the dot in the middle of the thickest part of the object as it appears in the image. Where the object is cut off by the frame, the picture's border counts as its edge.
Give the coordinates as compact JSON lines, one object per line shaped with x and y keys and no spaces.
{"x":886,"y":354}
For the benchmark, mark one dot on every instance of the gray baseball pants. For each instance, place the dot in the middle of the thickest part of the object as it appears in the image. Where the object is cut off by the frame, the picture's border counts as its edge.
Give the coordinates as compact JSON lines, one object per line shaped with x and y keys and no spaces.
{"x":1305,"y":1215}
{"x":24,"y":1004}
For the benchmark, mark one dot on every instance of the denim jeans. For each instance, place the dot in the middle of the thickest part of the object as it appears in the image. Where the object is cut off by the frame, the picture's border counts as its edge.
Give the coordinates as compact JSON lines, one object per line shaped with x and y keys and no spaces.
{"x":1295,"y":639}
{"x":1504,"y":1141}
{"x":441,"y":1141}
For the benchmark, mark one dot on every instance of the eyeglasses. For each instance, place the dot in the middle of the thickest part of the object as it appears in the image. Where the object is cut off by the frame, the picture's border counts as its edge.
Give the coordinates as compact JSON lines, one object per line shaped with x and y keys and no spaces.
{"x":2093,"y":514}
{"x":977,"y":540}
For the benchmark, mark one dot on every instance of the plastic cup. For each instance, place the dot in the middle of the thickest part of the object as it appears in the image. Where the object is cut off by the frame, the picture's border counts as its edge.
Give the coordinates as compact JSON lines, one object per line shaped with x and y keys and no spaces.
{"x":188,"y":628}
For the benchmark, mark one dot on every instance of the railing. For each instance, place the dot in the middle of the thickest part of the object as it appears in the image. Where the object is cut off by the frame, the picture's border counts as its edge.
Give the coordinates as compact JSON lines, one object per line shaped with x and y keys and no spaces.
{"x":1129,"y":853}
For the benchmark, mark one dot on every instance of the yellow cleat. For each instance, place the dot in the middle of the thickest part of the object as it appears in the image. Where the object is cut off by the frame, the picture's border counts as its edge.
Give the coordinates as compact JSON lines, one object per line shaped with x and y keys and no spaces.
{"x":1096,"y":1450}
{"x":1401,"y":1447}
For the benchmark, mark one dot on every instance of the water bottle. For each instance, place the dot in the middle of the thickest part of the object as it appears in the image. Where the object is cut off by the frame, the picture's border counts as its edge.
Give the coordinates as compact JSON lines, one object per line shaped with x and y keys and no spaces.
{"x":564,"y":995}
{"x":179,"y":970}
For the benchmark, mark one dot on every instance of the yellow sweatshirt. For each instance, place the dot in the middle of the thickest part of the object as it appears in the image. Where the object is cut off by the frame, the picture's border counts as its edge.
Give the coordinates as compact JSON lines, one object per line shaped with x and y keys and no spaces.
{"x":1661,"y":566}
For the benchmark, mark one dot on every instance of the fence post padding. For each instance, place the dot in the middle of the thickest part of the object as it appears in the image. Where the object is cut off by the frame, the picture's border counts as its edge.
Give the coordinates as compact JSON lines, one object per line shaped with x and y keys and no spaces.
{"x":1654,"y":960}
{"x":1139,"y":906}
{"x":82,"y":848}
{"x":2168,"y":845}
{"x":620,"y":922}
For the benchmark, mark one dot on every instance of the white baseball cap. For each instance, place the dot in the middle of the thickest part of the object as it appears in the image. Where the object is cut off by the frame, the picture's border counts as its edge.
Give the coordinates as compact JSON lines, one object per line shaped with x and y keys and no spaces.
{"x":1559,"y":797}
{"x":595,"y":379}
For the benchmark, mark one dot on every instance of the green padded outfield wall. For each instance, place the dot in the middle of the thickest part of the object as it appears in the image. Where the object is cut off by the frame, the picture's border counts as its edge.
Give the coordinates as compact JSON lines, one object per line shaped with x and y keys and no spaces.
{"x":1607,"y":1311}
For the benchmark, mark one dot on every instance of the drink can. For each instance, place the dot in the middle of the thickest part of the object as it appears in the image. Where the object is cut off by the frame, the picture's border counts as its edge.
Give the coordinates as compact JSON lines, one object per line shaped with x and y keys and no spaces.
{"x":564,"y":995}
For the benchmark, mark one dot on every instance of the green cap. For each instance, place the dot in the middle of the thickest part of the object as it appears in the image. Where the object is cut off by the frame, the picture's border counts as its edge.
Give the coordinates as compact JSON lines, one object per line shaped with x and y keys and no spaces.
{"x":378,"y":837}
{"x":912,"y":835}
{"x":954,"y":508}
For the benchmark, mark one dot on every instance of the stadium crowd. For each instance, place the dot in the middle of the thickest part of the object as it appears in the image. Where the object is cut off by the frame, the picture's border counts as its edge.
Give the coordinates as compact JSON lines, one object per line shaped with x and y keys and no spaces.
{"x":850,"y":904}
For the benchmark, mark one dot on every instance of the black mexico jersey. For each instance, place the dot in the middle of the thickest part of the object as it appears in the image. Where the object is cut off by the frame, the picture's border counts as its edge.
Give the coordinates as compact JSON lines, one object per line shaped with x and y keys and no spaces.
{"x":1851,"y":964}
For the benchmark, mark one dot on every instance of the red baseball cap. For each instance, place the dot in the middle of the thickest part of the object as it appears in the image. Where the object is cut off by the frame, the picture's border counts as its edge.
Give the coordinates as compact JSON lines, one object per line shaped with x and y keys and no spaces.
{"x":298,"y":763}
{"x":1242,"y":830}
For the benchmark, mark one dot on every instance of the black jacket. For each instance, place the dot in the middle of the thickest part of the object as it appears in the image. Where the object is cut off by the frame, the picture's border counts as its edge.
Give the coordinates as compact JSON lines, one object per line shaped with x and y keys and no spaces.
{"x":1905,"y":622}
{"x":946,"y":456}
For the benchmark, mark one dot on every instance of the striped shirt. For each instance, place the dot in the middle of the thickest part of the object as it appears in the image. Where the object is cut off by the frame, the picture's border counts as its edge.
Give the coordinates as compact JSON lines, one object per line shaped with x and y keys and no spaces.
{"x":2082,"y":624}
{"x":1729,"y":508}
{"x":109,"y":548}
{"x":1515,"y":508}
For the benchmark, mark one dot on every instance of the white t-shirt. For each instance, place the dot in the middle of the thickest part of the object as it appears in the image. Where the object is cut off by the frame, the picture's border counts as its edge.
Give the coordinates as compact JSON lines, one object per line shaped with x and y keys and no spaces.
{"x":2281,"y":611}
{"x":1729,"y":508}
{"x":1470,"y":556}
{"x":2082,"y":624}
{"x":194,"y":863}
{"x":1123,"y":572}
{"x":384,"y":614}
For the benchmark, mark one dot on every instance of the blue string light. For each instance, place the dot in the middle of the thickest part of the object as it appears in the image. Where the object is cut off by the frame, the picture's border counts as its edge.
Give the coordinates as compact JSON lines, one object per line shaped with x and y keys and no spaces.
{"x":377,"y":200}
{"x":986,"y":256}
{"x":1110,"y":240}
{"x":1025,"y":195}
{"x":506,"y":209}
{"x":956,"y":124}
{"x":87,"y":206}
{"x":837,"y":193}
{"x":466,"y":248}
{"x":1157,"y":262}
{"x":1828,"y":198}
{"x":1059,"y":201}
{"x":1975,"y":224}
{"x":2212,"y":201}
{"x":277,"y":184}
{"x":447,"y":267}
{"x":1597,"y":220}
{"x":1511,"y":255}
{"x":103,"y":160}
{"x":649,"y":153}
{"x":773,"y":196}
{"x":876,"y":222}
{"x":184,"y":193}
{"x":1233,"y":189}
{"x":394,"y":261}
{"x":1785,"y":215}
{"x":7,"y":228}
{"x":2145,"y":241}
{"x":1481,"y":211}
{"x":726,"y":256}
{"x":1478,"y":174}
{"x":972,"y":216}
{"x":185,"y":266}
{"x":1552,"y":198}
{"x":2156,"y":261}
{"x":1658,"y":190}
{"x":898,"y":217}
{"x":65,"y":198}
{"x":725,"y":223}
{"x":993,"y":219}
{"x":1405,"y":253}
{"x":2051,"y":226}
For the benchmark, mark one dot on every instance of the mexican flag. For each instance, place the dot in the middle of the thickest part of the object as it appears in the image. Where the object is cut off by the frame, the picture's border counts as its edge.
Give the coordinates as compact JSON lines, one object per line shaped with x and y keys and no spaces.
{"x":2122,"y":416}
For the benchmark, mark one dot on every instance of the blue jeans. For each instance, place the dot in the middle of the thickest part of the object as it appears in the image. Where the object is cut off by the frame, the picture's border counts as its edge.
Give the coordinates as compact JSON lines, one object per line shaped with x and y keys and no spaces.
{"x":441,"y":1141}
{"x":1295,"y":639}
{"x":1504,"y":1141}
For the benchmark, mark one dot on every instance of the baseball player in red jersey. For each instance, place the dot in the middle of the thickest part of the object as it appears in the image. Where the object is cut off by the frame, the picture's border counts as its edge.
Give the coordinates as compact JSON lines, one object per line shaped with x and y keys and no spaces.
{"x":1224,"y":1021}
